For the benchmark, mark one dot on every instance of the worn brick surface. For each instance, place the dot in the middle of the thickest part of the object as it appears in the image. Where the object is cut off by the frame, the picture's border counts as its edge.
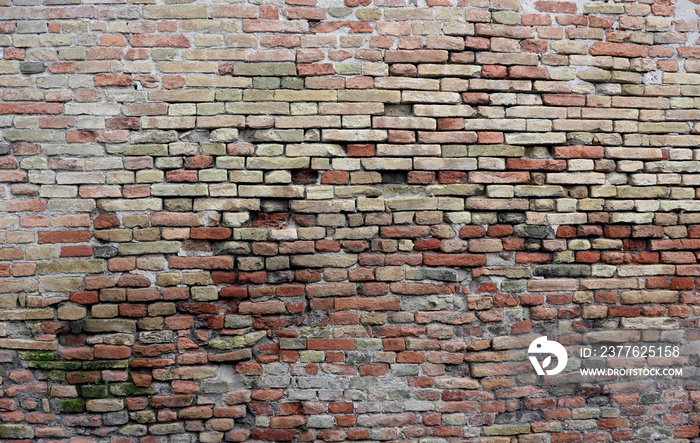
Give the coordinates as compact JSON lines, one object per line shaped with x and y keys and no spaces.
{"x":311,"y":220}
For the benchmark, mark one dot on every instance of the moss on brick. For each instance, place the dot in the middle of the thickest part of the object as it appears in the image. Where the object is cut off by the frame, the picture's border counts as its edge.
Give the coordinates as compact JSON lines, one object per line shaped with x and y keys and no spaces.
{"x":71,"y":406}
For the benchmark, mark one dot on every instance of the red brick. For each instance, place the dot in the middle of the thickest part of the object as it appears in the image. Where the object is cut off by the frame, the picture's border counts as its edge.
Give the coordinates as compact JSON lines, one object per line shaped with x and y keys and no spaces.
{"x":84,"y":298}
{"x":31,"y":108}
{"x":619,"y":50}
{"x":612,"y":423}
{"x":134,"y":281}
{"x":486,"y":137}
{"x":478,"y":43}
{"x":200,"y":263}
{"x":536,"y":19}
{"x":579,"y":151}
{"x":210,"y":233}
{"x":76,"y":251}
{"x":112,"y":79}
{"x":314,"y":69}
{"x":112,"y":352}
{"x":472,"y":232}
{"x":47,"y":237}
{"x":142,"y":294}
{"x":410,"y":357}
{"x":614,"y":231}
{"x":421,"y":177}
{"x":368,"y":304}
{"x":556,"y":6}
{"x":265,"y":307}
{"x":475,"y":98}
{"x":155,"y":40}
{"x":82,"y":353}
{"x":461,"y":260}
{"x":450,"y":124}
{"x":199,"y":162}
{"x":528,"y":72}
{"x":686,"y":431}
{"x":335,"y":178}
{"x":56,"y":122}
{"x":171,"y":401}
{"x":493,"y":71}
{"x":7,"y":27}
{"x":564,"y":99}
{"x":357,"y":150}
{"x":132,"y":310}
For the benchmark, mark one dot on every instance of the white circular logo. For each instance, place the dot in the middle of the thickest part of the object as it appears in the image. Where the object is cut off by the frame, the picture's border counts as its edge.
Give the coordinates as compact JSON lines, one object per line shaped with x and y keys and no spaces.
{"x":543,"y":346}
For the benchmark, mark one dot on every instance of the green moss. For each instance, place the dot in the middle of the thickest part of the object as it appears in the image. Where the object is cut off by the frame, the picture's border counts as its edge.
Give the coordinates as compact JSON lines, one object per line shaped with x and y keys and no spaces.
{"x":71,"y":406}
{"x":94,"y":391}
{"x":55,"y":365}
{"x":105,"y":364}
{"x":39,"y":355}
{"x":56,"y":377}
{"x":130,"y":390}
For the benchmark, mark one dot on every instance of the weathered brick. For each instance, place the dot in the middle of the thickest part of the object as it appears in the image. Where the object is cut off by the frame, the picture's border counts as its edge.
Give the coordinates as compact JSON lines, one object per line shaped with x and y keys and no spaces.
{"x":365,"y":211}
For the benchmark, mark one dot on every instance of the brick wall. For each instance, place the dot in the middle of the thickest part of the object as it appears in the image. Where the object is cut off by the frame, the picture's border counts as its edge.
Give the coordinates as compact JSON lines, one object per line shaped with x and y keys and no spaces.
{"x":293,"y":221}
